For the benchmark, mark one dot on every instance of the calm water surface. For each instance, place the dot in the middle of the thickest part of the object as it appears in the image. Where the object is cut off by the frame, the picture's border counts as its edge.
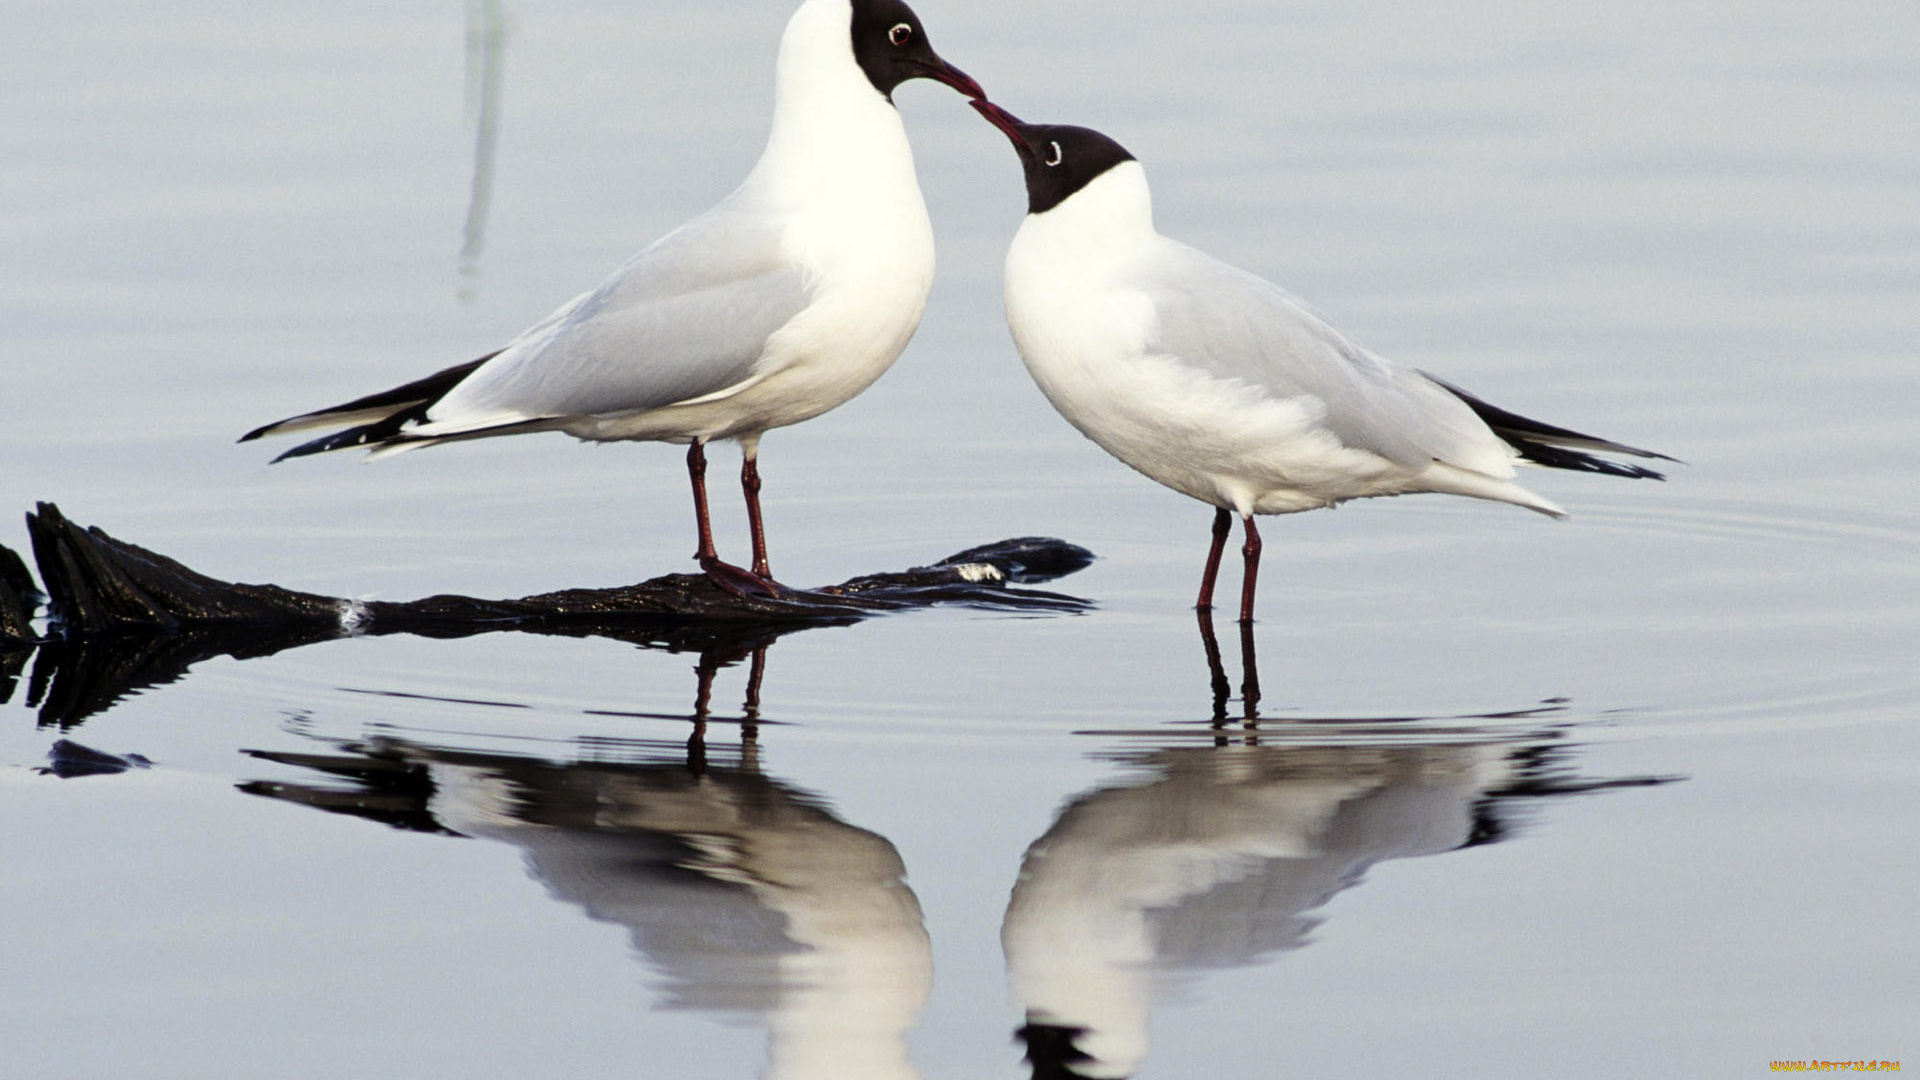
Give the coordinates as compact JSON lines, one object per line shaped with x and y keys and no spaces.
{"x":1637,"y":791}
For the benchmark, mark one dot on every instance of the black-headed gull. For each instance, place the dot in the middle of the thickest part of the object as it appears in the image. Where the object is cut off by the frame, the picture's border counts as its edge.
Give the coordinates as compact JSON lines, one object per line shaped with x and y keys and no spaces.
{"x":1221,"y":386}
{"x":790,"y":297}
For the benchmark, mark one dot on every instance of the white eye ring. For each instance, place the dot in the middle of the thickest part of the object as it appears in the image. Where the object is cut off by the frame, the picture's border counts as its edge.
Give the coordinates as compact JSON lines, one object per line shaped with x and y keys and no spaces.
{"x":1057,"y":157}
{"x":900,"y":34}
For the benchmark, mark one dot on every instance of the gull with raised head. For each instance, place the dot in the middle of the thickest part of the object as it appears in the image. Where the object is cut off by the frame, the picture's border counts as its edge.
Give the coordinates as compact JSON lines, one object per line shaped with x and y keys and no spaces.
{"x":787,"y":299}
{"x":1221,"y":386}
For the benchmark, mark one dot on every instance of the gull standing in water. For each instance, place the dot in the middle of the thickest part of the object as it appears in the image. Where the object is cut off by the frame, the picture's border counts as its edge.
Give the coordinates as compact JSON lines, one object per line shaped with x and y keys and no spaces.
{"x":1221,"y":386}
{"x":787,"y":299}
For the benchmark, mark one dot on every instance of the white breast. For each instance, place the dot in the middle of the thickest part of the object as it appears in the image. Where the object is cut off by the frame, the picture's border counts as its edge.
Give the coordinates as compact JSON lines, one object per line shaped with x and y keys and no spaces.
{"x":838,"y":171}
{"x":1083,"y":332}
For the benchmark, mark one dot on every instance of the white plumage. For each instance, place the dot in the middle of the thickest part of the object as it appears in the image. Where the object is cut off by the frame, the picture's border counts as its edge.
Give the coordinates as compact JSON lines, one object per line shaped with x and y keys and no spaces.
{"x":787,"y":299}
{"x":1218,"y":384}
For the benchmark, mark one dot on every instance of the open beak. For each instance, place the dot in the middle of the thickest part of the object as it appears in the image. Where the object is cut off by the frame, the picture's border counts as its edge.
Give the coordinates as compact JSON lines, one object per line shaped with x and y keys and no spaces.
{"x":941,"y":71}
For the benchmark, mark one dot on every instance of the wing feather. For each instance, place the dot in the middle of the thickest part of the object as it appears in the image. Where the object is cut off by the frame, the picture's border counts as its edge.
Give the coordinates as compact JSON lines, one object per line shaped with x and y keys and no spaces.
{"x":1234,"y":325}
{"x":687,"y":318}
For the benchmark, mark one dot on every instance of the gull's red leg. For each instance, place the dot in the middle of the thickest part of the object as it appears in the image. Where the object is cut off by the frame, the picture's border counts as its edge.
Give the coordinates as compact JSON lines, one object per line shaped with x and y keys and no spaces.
{"x":729,"y":577}
{"x":750,"y":483}
{"x":697,"y":473}
{"x":1222,"y":525}
{"x":1251,"y":552}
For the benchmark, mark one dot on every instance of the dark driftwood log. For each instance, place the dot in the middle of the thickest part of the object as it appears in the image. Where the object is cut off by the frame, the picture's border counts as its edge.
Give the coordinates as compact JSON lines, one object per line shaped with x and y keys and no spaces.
{"x":99,"y":585}
{"x":17,"y":598}
{"x":122,"y":617}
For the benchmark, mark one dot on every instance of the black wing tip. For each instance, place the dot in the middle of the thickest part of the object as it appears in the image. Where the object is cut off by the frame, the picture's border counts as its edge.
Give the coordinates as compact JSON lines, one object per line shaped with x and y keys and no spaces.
{"x":370,"y":436}
{"x":1623,"y":448}
{"x":1632,"y":472}
{"x":303,"y":450}
{"x":1545,"y":444}
{"x":1559,"y":457}
{"x":408,"y":399}
{"x":389,"y":432}
{"x":307,"y":449}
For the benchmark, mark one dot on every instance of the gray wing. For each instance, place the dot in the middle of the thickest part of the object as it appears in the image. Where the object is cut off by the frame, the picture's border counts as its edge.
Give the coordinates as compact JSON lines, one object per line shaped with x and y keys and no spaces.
{"x":1234,"y":325}
{"x":687,"y":317}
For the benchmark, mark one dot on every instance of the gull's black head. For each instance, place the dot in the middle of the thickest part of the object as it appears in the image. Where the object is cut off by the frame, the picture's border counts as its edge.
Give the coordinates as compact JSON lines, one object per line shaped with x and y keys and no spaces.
{"x":891,"y":47}
{"x":1059,"y":159}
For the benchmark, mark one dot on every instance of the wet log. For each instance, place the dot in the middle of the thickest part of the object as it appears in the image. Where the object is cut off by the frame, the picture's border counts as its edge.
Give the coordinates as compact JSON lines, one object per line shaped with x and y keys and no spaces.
{"x":96,"y":584}
{"x":18,"y":597}
{"x":121,"y":618}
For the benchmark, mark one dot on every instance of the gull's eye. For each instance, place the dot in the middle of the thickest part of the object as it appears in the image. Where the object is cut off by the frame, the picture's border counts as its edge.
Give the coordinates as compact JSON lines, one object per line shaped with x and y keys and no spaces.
{"x":1056,"y":157}
{"x":900,"y":34}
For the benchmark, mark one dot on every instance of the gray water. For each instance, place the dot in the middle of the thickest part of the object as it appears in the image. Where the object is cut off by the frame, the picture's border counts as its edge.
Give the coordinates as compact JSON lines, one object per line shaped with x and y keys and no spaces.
{"x":1637,"y":792}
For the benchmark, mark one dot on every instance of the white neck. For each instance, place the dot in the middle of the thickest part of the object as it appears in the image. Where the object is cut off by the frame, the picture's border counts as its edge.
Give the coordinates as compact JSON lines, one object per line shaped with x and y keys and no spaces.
{"x":835,"y":138}
{"x":1104,"y":223}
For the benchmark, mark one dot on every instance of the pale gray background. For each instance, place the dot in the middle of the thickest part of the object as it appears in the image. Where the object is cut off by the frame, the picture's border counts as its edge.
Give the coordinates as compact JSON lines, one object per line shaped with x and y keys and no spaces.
{"x":1691,"y":226}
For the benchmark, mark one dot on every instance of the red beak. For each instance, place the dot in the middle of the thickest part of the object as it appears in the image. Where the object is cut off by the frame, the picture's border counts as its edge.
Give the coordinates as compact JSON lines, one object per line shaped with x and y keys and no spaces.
{"x":1006,"y":122}
{"x":941,"y":71}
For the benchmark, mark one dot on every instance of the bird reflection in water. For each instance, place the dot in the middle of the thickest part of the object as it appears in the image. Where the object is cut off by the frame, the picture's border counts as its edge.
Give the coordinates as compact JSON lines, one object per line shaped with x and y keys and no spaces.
{"x":747,"y":895}
{"x":1220,"y":851}
{"x":1216,"y":846}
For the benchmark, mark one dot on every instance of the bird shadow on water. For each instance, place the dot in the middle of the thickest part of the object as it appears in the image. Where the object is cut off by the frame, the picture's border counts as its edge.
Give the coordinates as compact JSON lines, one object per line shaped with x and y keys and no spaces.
{"x":1213,"y":845}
